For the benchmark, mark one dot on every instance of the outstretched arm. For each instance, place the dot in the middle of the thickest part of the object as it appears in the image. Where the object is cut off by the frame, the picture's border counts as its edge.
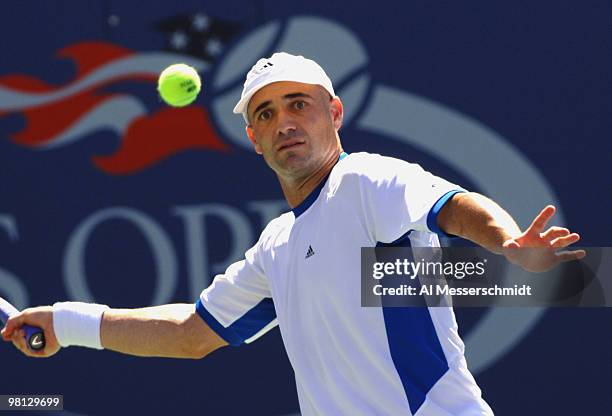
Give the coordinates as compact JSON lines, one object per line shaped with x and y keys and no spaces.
{"x":174,"y":331}
{"x":479,"y":219}
{"x":161,"y":331}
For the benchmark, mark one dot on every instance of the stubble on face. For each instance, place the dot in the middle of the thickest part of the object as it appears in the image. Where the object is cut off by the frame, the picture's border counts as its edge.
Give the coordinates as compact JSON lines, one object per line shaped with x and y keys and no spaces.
{"x":293,"y":129}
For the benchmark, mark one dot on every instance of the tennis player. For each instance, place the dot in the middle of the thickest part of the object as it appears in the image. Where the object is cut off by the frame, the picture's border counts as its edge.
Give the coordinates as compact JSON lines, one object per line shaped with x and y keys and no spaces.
{"x":303,"y":274}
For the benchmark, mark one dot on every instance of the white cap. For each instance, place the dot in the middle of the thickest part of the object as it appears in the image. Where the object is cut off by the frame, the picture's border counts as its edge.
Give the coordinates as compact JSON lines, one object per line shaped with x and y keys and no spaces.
{"x":281,"y":67}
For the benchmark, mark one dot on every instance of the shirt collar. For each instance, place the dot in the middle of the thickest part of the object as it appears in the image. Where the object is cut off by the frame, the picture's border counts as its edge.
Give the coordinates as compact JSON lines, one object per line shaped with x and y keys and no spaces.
{"x":312,"y":197}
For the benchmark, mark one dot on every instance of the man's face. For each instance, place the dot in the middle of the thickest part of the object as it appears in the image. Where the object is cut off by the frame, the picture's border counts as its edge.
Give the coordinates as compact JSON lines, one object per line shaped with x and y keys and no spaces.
{"x":294,"y":126}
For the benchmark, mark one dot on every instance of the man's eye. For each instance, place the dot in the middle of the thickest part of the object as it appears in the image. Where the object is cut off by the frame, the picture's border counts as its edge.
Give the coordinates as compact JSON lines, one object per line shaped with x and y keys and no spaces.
{"x":299,"y":105}
{"x":264,"y":115}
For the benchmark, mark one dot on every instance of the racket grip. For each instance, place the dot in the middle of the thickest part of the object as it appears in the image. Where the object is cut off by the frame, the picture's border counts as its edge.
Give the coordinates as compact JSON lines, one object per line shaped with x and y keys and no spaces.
{"x":34,"y":336}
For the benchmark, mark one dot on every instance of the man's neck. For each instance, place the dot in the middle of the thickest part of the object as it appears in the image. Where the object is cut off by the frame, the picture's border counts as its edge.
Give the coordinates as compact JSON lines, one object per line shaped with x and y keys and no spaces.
{"x":297,"y":190}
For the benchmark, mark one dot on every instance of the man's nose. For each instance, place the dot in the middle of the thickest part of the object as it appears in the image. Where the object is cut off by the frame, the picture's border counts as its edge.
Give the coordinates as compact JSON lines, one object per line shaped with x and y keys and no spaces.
{"x":286,"y":123}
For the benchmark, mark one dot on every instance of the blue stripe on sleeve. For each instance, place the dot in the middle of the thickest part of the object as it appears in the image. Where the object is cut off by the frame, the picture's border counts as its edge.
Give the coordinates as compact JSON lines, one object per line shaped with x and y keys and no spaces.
{"x":243,"y":328}
{"x":254,"y":320}
{"x":226,"y":333}
{"x":432,"y":216}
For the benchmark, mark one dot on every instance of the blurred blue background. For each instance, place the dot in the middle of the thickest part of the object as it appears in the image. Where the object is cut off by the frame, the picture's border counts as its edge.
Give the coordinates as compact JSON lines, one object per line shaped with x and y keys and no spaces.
{"x":110,"y":196}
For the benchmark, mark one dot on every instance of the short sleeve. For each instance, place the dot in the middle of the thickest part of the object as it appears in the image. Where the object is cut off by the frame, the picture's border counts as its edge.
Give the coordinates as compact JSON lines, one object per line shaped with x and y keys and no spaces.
{"x":401,"y":196}
{"x":238,"y":305}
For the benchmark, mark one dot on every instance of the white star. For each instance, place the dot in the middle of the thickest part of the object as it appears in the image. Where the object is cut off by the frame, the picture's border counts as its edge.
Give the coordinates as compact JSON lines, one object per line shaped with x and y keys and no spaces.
{"x":178,"y":40}
{"x":200,"y":22}
{"x":113,"y":20}
{"x":214,"y":46}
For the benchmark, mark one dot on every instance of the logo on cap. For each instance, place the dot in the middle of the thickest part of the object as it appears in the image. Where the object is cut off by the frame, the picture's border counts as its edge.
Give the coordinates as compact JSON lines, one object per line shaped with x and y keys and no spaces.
{"x":267,"y":64}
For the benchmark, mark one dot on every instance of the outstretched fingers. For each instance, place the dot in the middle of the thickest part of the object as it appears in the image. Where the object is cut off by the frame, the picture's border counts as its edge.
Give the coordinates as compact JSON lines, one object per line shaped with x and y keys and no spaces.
{"x":565,"y":241}
{"x":540,"y":221}
{"x":554,"y":232}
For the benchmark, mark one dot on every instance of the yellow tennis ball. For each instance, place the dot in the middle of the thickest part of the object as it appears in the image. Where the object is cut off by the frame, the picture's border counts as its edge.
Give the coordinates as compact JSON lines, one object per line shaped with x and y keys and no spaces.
{"x":178,"y":85}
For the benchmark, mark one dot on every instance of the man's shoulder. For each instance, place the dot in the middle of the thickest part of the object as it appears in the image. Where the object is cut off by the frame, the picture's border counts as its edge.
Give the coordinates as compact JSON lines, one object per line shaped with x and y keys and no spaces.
{"x":278,"y":224}
{"x":373,"y":166}
{"x":358,"y":160}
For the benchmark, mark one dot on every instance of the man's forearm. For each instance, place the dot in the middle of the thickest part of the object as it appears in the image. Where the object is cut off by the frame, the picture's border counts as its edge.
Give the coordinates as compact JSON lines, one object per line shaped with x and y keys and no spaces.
{"x":160,"y":331}
{"x":477,"y":218}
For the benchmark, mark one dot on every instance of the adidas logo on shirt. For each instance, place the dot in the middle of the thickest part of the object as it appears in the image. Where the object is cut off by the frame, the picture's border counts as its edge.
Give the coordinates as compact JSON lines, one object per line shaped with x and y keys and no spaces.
{"x":310,"y":252}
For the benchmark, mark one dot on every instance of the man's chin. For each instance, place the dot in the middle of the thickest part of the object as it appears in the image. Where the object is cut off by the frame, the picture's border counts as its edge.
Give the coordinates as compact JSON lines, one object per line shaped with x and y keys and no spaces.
{"x":294,"y":163}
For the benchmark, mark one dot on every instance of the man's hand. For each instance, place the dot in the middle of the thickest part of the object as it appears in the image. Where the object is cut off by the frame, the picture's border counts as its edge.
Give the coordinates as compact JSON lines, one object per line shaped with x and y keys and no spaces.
{"x":535,"y":250}
{"x":41,"y":317}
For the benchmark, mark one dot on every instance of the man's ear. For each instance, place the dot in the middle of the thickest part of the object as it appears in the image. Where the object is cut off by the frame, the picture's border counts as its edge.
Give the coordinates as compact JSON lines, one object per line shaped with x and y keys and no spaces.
{"x":337,"y":111}
{"x":251,"y":134}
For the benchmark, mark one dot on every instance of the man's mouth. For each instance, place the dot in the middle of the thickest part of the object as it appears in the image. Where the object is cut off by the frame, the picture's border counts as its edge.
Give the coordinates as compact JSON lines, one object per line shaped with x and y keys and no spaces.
{"x":290,"y":143}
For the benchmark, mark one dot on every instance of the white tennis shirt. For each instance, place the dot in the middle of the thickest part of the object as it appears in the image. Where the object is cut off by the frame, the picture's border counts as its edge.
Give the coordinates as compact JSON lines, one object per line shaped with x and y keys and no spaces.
{"x":304,"y":275}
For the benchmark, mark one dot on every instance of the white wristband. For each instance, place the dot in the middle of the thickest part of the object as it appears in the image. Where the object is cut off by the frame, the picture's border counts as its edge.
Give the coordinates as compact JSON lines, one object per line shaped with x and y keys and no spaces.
{"x":78,"y":323}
